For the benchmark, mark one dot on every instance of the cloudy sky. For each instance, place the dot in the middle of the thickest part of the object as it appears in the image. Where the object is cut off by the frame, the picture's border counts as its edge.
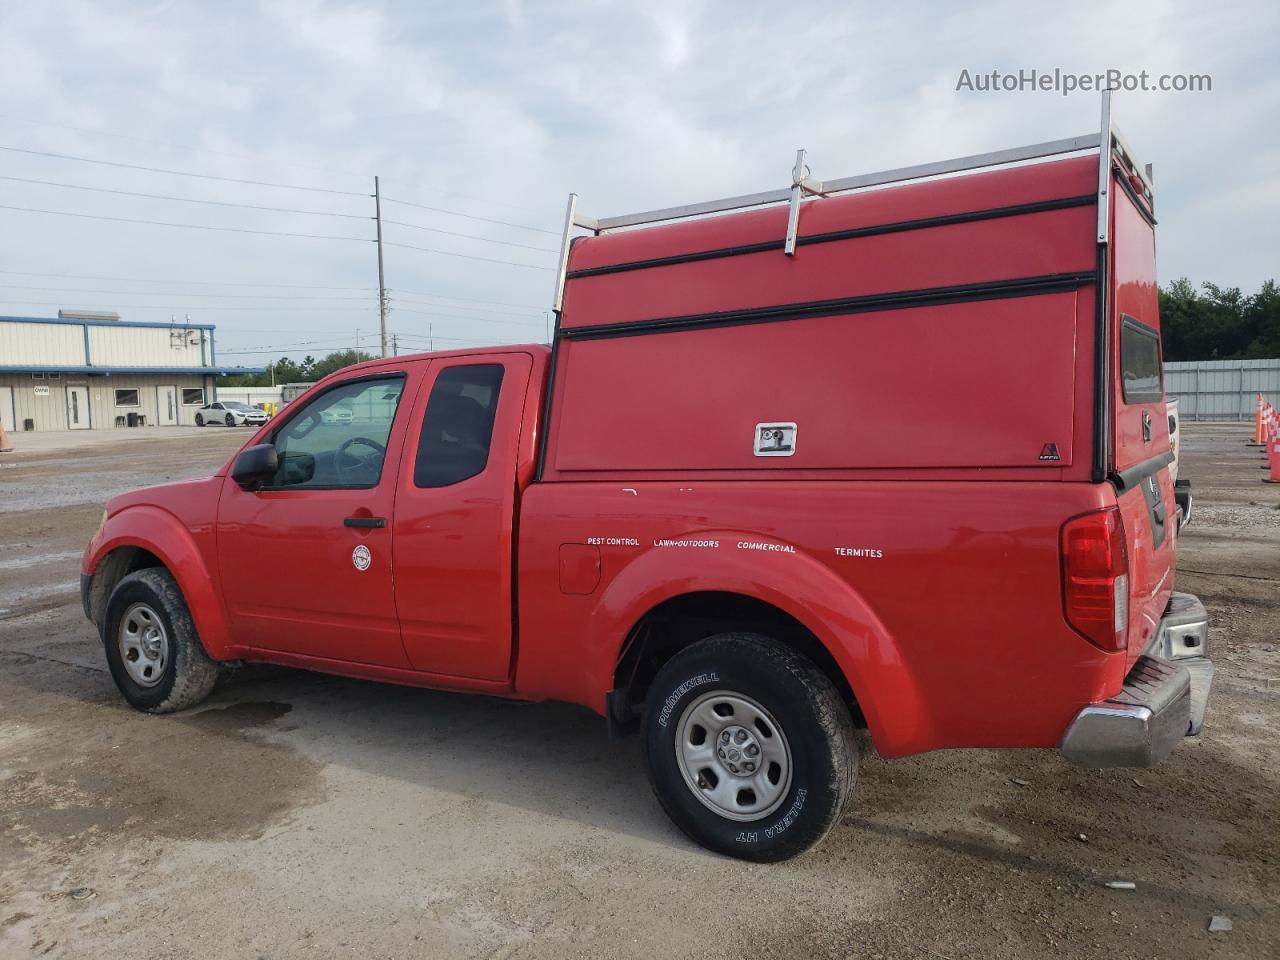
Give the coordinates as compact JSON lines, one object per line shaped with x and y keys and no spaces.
{"x":497,"y":110}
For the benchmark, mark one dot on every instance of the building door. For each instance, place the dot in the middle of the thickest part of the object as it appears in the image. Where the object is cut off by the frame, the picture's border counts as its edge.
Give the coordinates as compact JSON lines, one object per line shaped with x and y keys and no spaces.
{"x":167,"y":406}
{"x":78,"y":407}
{"x":8,"y":415}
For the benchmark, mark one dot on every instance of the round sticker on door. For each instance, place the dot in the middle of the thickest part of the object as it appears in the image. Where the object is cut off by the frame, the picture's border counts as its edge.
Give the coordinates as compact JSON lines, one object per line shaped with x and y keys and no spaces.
{"x":361,"y":557}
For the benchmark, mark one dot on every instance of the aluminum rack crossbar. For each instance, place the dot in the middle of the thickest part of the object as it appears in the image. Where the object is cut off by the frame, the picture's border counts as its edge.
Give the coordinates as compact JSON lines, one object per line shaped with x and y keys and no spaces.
{"x":917,"y":172}
{"x":802,"y":183}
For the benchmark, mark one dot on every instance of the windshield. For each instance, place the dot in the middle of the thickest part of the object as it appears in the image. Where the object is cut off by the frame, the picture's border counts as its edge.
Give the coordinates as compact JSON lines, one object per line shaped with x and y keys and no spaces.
{"x":232,"y":405}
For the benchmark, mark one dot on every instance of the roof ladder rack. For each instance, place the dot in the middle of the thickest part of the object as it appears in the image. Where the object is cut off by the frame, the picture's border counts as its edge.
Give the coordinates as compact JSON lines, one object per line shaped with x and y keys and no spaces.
{"x":803,"y":183}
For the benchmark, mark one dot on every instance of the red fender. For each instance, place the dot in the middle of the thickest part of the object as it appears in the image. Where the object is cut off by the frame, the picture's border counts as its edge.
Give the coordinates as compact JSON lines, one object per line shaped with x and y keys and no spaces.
{"x":161,"y":533}
{"x":899,"y":718}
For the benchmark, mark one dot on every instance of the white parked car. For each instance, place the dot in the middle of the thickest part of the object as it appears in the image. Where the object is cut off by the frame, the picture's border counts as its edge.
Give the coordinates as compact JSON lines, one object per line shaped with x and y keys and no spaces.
{"x":231,"y":414}
{"x":338,"y":413}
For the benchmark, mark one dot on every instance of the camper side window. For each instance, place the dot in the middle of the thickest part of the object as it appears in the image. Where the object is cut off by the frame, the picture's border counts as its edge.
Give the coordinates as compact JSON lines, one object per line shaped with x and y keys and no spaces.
{"x":1143,"y":381}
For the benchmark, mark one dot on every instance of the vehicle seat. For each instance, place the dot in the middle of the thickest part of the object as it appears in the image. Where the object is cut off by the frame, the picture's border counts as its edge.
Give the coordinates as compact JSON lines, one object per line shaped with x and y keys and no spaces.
{"x":455,"y":441}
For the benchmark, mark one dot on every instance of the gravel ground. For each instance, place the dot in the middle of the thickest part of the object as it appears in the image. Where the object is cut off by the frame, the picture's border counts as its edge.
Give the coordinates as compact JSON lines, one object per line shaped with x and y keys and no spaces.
{"x":296,"y":815}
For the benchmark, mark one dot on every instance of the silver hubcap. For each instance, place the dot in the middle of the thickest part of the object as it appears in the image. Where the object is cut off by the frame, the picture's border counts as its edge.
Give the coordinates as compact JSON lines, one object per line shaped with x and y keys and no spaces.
{"x":144,"y":645}
{"x":733,"y":755}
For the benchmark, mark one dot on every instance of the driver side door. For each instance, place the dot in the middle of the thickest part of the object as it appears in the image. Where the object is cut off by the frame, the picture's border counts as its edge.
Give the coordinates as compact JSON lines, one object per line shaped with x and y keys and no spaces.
{"x":305,"y":560}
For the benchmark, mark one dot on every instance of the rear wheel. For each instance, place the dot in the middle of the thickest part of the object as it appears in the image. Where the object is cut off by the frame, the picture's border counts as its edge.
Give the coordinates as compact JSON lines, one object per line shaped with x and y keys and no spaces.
{"x":231,"y":420}
{"x":153,"y":651}
{"x":199,"y":420}
{"x":749,"y":747}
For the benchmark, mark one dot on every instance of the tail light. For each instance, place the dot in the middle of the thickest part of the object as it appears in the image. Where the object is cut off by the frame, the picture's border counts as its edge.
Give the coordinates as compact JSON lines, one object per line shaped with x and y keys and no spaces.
{"x":1095,"y":578}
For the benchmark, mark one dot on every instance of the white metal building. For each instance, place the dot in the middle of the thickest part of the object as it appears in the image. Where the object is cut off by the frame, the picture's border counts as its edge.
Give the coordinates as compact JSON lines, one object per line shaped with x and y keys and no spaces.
{"x":79,"y":371}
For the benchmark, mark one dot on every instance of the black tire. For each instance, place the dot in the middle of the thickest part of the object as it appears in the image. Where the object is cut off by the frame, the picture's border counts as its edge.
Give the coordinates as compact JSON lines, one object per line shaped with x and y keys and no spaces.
{"x":199,"y":420}
{"x":815,"y":724}
{"x":231,"y":420}
{"x":188,"y":674}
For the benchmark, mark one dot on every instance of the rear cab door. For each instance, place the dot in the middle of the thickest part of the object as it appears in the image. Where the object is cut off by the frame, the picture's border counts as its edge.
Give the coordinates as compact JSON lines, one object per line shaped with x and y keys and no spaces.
{"x":468,"y":452}
{"x":1141,"y":449}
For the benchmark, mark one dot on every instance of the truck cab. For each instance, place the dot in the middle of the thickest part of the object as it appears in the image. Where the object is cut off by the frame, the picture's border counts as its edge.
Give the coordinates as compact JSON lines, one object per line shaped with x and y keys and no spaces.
{"x":834,"y":459}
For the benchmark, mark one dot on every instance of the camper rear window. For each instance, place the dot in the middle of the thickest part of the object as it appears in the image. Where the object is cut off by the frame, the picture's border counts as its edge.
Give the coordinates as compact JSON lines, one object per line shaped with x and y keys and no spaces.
{"x":1140,"y":362}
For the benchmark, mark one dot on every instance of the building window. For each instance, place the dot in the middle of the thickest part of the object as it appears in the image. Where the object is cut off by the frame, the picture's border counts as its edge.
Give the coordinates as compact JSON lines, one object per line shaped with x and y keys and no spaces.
{"x":127,"y":398}
{"x":193,"y":396}
{"x":55,"y":376}
{"x":37,"y":376}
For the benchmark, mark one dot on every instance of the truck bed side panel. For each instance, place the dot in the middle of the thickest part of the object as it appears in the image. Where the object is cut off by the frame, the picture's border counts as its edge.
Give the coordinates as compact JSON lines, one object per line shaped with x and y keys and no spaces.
{"x":965,"y":585}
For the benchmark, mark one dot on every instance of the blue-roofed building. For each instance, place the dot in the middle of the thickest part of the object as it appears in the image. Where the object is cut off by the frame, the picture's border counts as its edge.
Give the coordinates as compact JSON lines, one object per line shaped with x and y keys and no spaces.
{"x":81,"y":371}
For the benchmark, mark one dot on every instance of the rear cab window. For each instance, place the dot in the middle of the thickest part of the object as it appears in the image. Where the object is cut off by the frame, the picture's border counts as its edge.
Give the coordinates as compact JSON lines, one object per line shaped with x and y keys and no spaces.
{"x":1142,"y":378}
{"x":457,"y":428}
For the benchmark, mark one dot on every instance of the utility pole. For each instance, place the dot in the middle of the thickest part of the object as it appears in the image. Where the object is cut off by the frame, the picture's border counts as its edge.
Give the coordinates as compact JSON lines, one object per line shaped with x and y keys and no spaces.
{"x":431,"y":337}
{"x":395,"y":345}
{"x":382,"y":285}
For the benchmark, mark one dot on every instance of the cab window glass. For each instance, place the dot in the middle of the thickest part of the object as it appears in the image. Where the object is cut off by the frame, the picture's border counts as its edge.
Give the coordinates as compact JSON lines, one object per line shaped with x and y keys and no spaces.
{"x":457,"y":427}
{"x":339,"y":439}
{"x":1140,"y":363}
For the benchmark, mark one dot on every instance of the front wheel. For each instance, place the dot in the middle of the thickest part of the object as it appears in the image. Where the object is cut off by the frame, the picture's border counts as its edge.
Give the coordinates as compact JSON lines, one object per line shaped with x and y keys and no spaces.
{"x":152,"y":647}
{"x":749,"y":747}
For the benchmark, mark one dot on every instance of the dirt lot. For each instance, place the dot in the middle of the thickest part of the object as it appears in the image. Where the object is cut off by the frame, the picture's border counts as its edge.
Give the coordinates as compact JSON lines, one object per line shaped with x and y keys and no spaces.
{"x":295,"y":815}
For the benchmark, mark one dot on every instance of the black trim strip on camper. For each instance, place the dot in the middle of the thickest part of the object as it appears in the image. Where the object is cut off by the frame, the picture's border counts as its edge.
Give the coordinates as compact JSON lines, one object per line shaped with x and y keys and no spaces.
{"x":1132,"y":194}
{"x":1101,"y":372}
{"x":1129,"y":478}
{"x":853,"y":233}
{"x":898,"y":300}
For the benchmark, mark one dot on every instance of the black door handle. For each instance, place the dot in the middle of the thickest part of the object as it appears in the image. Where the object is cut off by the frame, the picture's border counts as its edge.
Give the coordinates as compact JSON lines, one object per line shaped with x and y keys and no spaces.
{"x":375,"y":523}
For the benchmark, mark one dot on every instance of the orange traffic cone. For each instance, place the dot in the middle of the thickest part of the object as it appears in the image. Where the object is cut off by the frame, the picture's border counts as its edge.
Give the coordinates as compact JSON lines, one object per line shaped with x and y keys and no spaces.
{"x":1259,"y":425}
{"x":1273,"y":458}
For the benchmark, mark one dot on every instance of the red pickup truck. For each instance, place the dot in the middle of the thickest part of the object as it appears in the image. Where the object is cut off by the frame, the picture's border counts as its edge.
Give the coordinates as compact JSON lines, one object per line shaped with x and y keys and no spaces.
{"x":836,"y":458}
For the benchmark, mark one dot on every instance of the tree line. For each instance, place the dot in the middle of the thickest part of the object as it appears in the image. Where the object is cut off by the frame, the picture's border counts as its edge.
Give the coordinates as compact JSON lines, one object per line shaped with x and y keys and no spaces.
{"x":1209,"y":323}
{"x":1219,"y":323}
{"x":306,"y":370}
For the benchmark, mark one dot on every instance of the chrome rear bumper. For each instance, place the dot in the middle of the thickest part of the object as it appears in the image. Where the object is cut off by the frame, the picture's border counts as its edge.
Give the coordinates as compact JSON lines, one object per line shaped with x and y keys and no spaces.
{"x":1163,"y":698}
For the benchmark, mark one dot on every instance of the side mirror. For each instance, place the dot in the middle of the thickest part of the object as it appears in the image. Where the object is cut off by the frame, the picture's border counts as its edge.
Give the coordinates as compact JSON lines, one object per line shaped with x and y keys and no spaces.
{"x":255,"y":465}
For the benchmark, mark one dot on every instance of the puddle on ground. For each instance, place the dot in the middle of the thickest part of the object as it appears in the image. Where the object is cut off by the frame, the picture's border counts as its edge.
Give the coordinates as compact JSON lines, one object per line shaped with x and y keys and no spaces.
{"x":205,"y":775}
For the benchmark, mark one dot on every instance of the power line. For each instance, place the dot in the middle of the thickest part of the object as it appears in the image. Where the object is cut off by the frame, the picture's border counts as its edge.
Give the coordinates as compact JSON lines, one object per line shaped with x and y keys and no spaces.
{"x":215,"y":203}
{"x":170,"y":293}
{"x":194,"y":226}
{"x":468,"y":236}
{"x":465,"y":256}
{"x":463,"y":340}
{"x":470,"y":216}
{"x":205,"y":283}
{"x":445,"y":316}
{"x":307,"y":344}
{"x":324,"y":345}
{"x":160,"y":306}
{"x":180,"y":173}
{"x":170,"y":144}
{"x":441,"y":296}
{"x":528,"y":313}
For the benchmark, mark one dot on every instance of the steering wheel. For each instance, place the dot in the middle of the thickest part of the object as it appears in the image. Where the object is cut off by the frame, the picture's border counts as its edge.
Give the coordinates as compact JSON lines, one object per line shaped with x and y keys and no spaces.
{"x":345,"y":472}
